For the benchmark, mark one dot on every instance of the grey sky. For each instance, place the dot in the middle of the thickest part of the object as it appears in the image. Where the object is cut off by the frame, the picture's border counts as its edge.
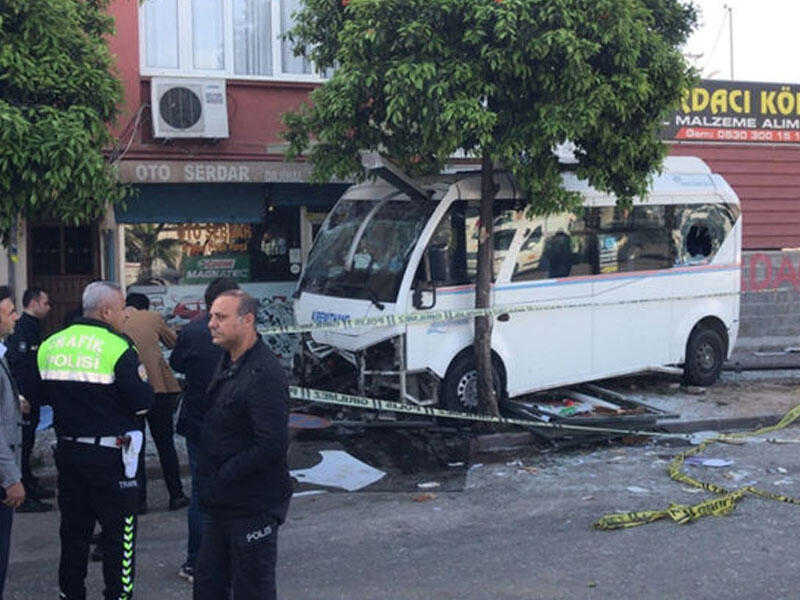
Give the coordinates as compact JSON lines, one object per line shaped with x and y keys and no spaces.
{"x":766,"y":40}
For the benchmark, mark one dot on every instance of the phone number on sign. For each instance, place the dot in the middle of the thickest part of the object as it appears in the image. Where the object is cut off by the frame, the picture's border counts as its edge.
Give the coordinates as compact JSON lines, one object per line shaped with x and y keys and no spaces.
{"x":737,"y":135}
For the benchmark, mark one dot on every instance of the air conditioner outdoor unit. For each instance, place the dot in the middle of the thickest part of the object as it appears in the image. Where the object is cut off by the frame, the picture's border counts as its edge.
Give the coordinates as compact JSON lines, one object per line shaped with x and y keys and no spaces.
{"x":189,"y":108}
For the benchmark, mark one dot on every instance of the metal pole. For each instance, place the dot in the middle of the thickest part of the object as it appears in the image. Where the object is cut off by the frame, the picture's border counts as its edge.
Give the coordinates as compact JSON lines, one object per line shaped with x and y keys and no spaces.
{"x":730,"y":32}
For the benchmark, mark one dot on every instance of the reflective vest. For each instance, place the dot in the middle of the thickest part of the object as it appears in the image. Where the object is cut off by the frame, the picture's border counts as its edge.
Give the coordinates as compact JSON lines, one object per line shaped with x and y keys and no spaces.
{"x":81,"y":353}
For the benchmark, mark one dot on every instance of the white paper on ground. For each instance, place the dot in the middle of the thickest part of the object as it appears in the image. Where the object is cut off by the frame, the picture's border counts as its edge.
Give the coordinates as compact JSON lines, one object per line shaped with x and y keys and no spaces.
{"x":339,"y":469}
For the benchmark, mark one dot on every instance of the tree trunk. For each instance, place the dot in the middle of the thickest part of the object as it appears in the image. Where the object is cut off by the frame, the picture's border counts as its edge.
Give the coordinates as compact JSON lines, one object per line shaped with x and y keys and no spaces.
{"x":487,"y":402}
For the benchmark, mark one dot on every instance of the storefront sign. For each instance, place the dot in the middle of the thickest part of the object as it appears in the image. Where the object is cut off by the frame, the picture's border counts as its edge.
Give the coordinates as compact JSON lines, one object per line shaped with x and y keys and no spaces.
{"x":739,"y":112}
{"x":212,"y":172}
{"x":204,"y":269}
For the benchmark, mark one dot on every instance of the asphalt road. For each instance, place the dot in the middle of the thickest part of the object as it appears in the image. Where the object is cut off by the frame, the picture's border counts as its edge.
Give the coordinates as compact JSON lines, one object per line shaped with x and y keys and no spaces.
{"x":500,"y":531}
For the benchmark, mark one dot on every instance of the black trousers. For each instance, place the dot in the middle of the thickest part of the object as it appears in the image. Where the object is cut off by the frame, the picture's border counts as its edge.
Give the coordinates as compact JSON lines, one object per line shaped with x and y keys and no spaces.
{"x":28,"y":439}
{"x":92,"y":487}
{"x":160,"y":419}
{"x":237,"y":555}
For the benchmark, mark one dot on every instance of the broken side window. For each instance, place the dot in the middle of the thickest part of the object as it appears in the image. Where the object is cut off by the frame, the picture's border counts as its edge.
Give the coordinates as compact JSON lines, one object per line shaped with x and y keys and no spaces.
{"x":699,"y":230}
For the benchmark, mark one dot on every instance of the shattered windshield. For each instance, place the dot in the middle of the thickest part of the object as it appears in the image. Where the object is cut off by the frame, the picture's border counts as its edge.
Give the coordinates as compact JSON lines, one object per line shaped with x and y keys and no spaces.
{"x":363,"y":248}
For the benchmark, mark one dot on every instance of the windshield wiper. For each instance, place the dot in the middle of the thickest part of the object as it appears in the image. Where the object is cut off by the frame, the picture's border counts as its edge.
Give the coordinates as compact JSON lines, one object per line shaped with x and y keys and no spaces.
{"x":334,"y":286}
{"x":374,"y":297}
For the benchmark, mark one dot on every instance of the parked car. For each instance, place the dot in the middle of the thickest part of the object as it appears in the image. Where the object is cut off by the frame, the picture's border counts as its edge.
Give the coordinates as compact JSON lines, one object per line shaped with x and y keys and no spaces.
{"x":189,"y":307}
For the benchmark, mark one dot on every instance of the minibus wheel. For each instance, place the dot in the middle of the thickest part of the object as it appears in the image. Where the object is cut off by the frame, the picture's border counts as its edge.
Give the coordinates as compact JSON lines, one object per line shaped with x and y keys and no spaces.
{"x":705,"y":353}
{"x":460,"y":386}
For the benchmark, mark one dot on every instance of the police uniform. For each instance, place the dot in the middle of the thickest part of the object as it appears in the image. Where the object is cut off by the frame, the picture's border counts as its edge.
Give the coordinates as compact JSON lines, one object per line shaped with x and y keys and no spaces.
{"x":22,"y":347}
{"x":92,"y":376}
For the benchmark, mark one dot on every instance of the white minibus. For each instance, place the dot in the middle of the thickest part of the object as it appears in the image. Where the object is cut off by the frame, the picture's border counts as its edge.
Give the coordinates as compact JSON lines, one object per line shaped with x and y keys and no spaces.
{"x":613,"y":291}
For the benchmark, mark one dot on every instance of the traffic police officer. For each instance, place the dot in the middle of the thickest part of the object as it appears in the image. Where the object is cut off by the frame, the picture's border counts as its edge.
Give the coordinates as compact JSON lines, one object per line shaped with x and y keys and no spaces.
{"x":92,"y":376}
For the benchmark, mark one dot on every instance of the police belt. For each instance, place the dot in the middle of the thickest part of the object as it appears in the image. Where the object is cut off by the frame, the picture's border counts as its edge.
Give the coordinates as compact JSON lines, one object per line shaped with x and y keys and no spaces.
{"x":107,"y":441}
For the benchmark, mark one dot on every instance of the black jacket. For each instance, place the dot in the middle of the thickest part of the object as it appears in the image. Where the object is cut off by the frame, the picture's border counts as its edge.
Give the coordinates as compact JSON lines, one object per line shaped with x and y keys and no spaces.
{"x":243,"y":466}
{"x":22,"y":347}
{"x":196,"y":356}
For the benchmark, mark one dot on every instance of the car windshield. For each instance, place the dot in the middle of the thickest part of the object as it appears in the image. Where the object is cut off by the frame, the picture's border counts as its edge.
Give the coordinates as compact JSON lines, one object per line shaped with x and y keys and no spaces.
{"x":363,"y":248}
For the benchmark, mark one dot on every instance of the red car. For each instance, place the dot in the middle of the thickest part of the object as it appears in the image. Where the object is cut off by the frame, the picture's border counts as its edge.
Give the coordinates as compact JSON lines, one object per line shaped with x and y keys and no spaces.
{"x":188,"y":308}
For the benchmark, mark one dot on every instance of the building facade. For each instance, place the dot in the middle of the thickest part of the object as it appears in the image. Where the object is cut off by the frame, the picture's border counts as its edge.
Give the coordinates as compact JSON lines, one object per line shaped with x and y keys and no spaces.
{"x":206,"y":83}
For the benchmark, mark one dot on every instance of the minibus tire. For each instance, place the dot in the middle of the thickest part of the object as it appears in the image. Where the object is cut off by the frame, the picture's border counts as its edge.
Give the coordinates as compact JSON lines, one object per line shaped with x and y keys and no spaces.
{"x":462,"y":373}
{"x":705,"y":355}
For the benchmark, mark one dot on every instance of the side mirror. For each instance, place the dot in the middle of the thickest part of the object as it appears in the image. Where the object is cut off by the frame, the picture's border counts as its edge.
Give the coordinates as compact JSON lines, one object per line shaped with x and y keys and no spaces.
{"x":424,"y":298}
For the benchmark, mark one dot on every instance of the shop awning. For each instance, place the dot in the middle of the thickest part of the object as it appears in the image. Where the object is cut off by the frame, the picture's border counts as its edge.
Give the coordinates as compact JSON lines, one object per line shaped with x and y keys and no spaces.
{"x":192,"y":203}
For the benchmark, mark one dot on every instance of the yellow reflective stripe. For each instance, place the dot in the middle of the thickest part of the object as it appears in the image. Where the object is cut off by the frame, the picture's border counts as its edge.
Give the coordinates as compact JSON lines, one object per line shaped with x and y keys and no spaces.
{"x":78,"y":376}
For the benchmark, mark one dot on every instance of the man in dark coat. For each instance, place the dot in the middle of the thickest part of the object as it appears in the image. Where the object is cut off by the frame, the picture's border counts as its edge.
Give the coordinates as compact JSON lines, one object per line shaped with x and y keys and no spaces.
{"x":22,"y":347}
{"x":196,"y":356}
{"x":244,"y":472}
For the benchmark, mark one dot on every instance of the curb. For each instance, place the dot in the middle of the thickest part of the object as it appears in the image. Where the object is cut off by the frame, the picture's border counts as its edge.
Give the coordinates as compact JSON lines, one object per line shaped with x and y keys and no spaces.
{"x":501,"y":445}
{"x":737,"y":423}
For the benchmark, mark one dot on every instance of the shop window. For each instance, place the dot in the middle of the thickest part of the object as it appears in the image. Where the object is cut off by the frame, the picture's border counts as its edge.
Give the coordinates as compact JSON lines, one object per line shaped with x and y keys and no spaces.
{"x":197,"y":253}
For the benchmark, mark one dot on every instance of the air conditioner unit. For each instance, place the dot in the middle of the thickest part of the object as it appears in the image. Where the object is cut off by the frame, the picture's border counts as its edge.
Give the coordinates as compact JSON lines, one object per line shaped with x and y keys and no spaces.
{"x":189,"y":108}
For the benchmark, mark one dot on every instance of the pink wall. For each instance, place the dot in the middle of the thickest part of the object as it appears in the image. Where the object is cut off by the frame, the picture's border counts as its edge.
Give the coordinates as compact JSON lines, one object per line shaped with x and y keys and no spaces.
{"x":254,"y":107}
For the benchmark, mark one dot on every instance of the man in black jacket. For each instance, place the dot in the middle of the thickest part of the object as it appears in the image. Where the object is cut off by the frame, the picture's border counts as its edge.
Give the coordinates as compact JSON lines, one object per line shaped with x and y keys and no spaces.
{"x":196,"y":356}
{"x":22,"y":348}
{"x":245,"y":477}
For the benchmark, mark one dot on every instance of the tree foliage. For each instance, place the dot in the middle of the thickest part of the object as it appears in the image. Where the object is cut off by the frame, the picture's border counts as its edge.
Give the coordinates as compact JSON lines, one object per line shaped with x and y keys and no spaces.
{"x":57,"y":95}
{"x":420,"y":79}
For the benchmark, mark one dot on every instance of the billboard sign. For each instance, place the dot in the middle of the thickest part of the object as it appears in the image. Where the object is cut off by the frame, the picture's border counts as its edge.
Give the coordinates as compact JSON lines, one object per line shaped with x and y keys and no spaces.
{"x":737,"y":112}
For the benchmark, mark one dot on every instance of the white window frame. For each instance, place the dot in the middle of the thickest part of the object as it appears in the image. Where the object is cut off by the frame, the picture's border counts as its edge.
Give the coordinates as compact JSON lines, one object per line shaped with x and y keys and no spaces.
{"x":185,"y":58}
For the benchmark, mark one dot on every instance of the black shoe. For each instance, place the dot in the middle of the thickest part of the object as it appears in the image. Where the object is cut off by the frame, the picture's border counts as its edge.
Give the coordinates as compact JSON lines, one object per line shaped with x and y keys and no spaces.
{"x":178,"y":502}
{"x":32,"y":505}
{"x":97,"y":554}
{"x":39,"y":492}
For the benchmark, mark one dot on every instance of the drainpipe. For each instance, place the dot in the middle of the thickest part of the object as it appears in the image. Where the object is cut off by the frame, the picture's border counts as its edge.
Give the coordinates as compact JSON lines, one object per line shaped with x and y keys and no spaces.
{"x":13,"y":252}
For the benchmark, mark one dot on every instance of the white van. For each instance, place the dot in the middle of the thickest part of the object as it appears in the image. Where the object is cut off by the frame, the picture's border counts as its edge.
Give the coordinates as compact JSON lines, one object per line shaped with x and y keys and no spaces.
{"x":615,"y":291}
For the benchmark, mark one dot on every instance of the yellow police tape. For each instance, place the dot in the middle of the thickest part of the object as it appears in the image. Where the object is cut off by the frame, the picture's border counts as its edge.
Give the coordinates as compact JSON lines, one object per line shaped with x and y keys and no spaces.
{"x":434,"y":316}
{"x":724,"y":504}
{"x":339,"y":399}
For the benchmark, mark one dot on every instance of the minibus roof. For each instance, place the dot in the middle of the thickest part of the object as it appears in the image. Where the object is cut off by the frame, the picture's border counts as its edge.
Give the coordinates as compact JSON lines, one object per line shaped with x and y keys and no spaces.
{"x":680,"y":176}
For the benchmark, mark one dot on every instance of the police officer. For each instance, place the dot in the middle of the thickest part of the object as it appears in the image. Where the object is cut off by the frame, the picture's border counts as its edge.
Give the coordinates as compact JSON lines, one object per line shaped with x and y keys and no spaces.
{"x":22,"y":347}
{"x":245,"y":484}
{"x":92,"y":377}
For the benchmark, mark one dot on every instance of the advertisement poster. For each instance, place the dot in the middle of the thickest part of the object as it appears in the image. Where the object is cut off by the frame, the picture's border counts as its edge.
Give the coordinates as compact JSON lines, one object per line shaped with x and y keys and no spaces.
{"x":205,"y":269}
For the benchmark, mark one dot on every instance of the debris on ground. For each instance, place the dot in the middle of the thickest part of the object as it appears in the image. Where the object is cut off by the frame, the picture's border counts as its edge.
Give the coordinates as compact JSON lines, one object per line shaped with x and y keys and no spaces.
{"x":429,"y":485}
{"x":704,"y":461}
{"x":425,"y":497}
{"x":339,"y":469}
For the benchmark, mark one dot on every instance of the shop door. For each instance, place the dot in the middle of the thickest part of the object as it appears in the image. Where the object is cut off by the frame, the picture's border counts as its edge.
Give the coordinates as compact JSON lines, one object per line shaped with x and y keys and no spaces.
{"x":62,"y":260}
